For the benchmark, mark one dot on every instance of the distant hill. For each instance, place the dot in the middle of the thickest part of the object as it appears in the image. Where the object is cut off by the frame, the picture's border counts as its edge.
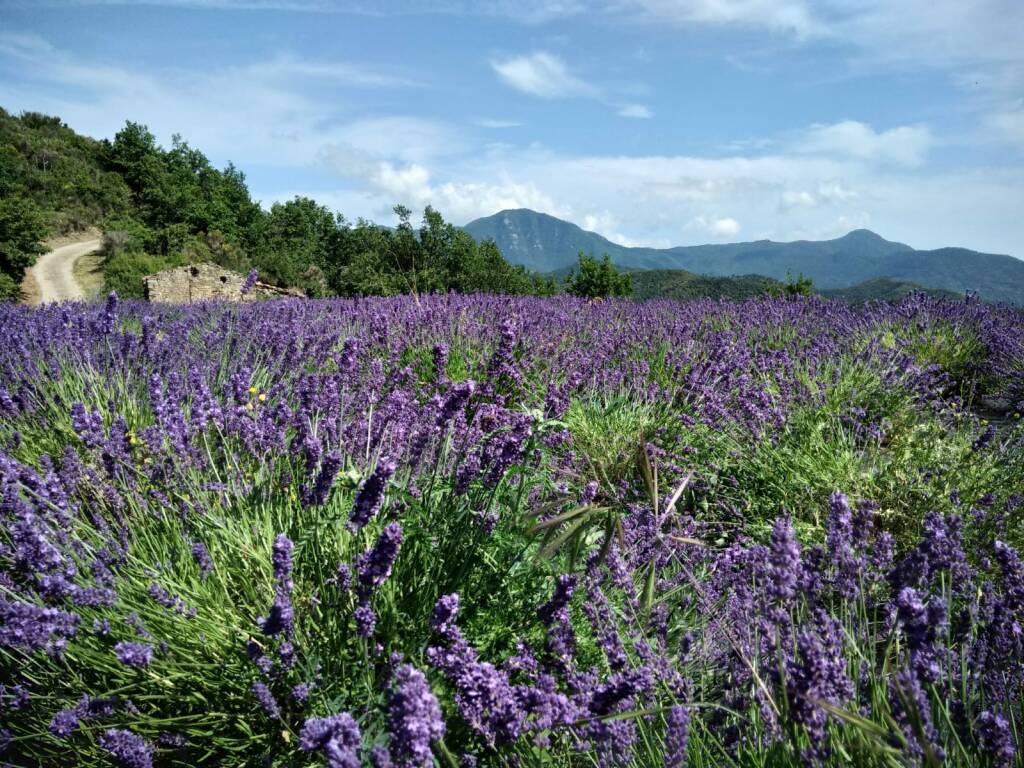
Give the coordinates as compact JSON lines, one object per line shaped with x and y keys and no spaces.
{"x":545,"y":243}
{"x":884,"y":289}
{"x":683,"y":285}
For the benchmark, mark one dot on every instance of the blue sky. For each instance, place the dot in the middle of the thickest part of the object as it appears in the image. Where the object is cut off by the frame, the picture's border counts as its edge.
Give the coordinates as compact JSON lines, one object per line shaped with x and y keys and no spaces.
{"x":655,"y":122}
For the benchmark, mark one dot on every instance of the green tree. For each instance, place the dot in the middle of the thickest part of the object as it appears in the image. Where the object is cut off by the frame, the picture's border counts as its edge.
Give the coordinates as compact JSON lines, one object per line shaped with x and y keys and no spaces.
{"x":597,"y":279}
{"x":801,"y":285}
{"x":22,"y":226}
{"x":296,"y":236}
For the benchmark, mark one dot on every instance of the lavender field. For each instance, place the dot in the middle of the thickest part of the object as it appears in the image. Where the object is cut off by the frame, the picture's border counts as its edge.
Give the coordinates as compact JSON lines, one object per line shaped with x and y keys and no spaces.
{"x":471,"y":530}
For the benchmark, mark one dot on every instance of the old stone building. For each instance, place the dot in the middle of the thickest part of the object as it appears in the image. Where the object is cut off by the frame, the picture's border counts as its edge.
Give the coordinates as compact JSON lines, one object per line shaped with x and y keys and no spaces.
{"x":202,"y":282}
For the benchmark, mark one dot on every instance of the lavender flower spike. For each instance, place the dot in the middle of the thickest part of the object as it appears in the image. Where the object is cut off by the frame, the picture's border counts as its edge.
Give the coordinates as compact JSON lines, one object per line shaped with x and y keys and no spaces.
{"x":138,"y":655}
{"x":371,"y":495}
{"x":677,"y":734}
{"x":129,"y":749}
{"x":266,"y":699}
{"x":250,"y":281}
{"x":338,"y":736}
{"x":281,"y":559}
{"x":414,"y":719}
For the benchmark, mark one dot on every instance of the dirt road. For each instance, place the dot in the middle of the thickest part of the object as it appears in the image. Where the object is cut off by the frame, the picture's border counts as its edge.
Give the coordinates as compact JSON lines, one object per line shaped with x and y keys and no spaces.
{"x":53,"y":272}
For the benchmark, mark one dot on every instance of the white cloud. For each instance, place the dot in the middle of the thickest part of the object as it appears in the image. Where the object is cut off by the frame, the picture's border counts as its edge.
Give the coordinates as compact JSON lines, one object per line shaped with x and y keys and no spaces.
{"x":906,"y":145}
{"x":797,"y":199}
{"x":724,"y":228}
{"x":1008,"y":125}
{"x":264,"y":112}
{"x":827,"y":193}
{"x":676,"y":200}
{"x":637,"y":111}
{"x":487,"y":122}
{"x":547,"y":76}
{"x":461,"y":201}
{"x":409,"y":139}
{"x":285,"y":67}
{"x":792,"y":16}
{"x":541,"y":74}
{"x":836,"y":192}
{"x":605,"y":224}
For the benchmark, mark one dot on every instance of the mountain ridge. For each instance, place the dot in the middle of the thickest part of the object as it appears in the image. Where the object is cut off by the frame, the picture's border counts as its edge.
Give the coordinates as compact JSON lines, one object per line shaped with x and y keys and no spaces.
{"x":546,"y":243}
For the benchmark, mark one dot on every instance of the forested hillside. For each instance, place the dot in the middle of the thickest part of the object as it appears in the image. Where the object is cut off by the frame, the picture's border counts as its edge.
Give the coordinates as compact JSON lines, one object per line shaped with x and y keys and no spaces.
{"x":683,"y":285}
{"x":884,"y":289}
{"x":161,"y":207}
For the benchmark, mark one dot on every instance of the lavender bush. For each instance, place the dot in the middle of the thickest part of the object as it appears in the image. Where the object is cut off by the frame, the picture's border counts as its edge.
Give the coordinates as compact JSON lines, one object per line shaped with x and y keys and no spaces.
{"x":493,"y":531}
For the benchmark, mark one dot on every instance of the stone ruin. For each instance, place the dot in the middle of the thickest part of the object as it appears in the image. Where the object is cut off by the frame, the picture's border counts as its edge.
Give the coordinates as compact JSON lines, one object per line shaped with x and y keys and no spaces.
{"x":203,"y":282}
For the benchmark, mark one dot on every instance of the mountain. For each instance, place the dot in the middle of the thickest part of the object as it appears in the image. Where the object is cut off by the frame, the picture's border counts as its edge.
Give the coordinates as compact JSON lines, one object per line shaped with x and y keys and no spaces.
{"x":545,"y":243}
{"x":528,"y":237}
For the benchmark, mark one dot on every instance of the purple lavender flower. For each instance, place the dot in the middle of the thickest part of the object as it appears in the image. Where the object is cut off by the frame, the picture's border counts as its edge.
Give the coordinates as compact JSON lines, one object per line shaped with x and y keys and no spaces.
{"x":414,"y":719}
{"x":370,"y":497}
{"x":286,"y":653}
{"x":266,"y":700}
{"x":380,"y":757}
{"x":281,"y":619}
{"x":337,"y":736}
{"x":996,"y":739}
{"x":677,"y":734}
{"x":138,"y":655}
{"x":440,"y":355}
{"x":442,"y":620}
{"x":920,"y":625}
{"x":172,"y":740}
{"x":785,"y":561}
{"x":281,"y":560}
{"x":88,"y":426}
{"x":167,"y":600}
{"x":343,"y":578}
{"x":374,"y":566}
{"x":31,"y":628}
{"x":250,"y":281}
{"x":817,"y":676}
{"x":203,"y":559}
{"x":839,"y":541}
{"x":366,"y":619}
{"x":912,"y":712}
{"x":64,"y":723}
{"x":301,"y":691}
{"x":129,"y":749}
{"x":486,"y":698}
{"x":561,"y":640}
{"x":19,"y":698}
{"x":329,"y":469}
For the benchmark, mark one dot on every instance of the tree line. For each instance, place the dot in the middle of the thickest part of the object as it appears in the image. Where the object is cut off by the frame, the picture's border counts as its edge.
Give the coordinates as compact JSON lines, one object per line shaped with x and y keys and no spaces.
{"x":165,"y":207}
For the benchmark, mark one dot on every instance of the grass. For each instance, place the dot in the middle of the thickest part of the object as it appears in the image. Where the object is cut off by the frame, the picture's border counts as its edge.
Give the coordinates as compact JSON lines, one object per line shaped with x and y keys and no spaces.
{"x":88,"y":273}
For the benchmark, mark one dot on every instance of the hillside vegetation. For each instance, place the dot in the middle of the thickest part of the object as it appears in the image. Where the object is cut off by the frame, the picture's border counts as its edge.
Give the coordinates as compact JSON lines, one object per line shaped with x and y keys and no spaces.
{"x":166,"y":207}
{"x":683,"y":285}
{"x":884,"y":289}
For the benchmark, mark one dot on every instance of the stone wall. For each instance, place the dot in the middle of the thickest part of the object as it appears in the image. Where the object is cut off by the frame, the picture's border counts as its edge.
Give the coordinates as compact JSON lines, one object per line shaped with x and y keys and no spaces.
{"x":202,"y":282}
